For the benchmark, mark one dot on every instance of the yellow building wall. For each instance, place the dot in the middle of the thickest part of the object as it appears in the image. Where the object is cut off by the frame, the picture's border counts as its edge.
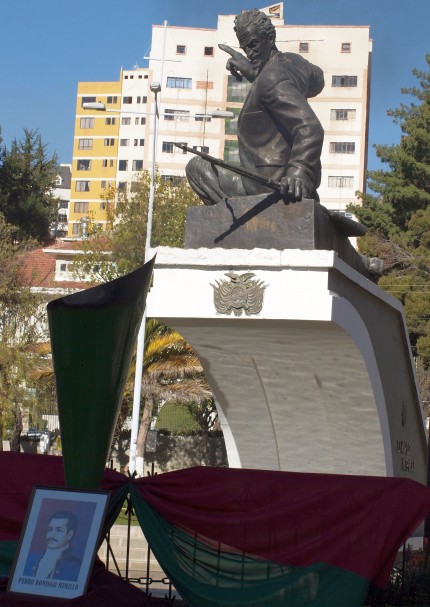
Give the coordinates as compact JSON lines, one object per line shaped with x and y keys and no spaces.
{"x":94,"y":163}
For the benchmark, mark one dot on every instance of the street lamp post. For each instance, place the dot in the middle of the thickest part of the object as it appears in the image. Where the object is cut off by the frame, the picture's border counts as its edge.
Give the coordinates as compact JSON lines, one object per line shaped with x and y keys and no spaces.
{"x":134,"y":465}
{"x":140,"y":346}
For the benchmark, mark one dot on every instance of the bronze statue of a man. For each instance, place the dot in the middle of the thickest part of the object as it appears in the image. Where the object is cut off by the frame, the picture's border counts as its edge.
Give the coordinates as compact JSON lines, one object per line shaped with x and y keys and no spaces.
{"x":279,"y":135}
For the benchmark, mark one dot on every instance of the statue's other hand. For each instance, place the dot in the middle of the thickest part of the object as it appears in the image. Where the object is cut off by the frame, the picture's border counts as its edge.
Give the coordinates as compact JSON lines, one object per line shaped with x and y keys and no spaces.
{"x":294,"y":187}
{"x":238,"y":65}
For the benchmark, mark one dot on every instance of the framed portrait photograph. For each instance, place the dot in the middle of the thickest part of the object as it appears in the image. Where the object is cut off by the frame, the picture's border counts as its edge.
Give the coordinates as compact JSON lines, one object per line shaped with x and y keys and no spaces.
{"x":58,"y":543}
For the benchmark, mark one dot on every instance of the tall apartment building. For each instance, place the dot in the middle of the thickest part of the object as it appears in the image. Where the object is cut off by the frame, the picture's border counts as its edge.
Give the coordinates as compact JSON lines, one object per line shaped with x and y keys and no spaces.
{"x":62,"y":193}
{"x":112,"y":145}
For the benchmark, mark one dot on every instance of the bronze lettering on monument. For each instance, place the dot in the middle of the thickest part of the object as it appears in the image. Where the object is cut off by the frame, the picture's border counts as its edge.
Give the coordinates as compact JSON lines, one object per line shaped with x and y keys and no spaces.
{"x":403,"y":447}
{"x":408,"y":465}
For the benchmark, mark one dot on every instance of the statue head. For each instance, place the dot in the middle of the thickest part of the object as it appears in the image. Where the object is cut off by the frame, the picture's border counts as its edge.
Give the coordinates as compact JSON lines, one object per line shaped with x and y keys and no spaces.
{"x":257,"y":35}
{"x":255,"y":21}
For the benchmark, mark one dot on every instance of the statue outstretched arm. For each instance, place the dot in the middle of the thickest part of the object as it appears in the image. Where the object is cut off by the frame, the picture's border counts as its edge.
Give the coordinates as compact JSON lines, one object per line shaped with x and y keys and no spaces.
{"x":238,"y":65}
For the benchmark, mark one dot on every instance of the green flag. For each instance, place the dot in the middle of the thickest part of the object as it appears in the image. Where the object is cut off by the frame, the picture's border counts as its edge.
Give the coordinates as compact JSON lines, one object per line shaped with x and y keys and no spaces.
{"x":92,"y":337}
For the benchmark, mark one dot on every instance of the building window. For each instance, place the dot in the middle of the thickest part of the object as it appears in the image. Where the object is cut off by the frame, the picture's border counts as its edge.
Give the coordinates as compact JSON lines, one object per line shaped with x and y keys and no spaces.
{"x":137,"y":165}
{"x":122,"y":165}
{"x":63,"y":267}
{"x":122,"y":186}
{"x":231,"y":123}
{"x":174,"y":180}
{"x":76,"y":228}
{"x":303,"y":47}
{"x":345,"y":47}
{"x":110,"y":121}
{"x":141,"y":142}
{"x":202,"y":118}
{"x":237,"y":91}
{"x":112,"y":99}
{"x":83,"y":164}
{"x":209,"y":51}
{"x":88,"y":100}
{"x":104,"y":163}
{"x":344,"y":80}
{"x":103,"y":184}
{"x":169,"y":114}
{"x":64,"y":204}
{"x":168,"y":147}
{"x":181,"y":49}
{"x":126,"y":121}
{"x":343,"y":114}
{"x":82,"y":186}
{"x":181,"y":115}
{"x":85,"y":144}
{"x":81,"y":207}
{"x":143,"y":99}
{"x":124,"y":142}
{"x":87,"y":123}
{"x":231,"y":151}
{"x":109,"y":141}
{"x":201,"y":148}
{"x":102,"y":206}
{"x":140,"y":121}
{"x":342,"y":147}
{"x":127,"y":99}
{"x":179,"y":83}
{"x":341,"y":182}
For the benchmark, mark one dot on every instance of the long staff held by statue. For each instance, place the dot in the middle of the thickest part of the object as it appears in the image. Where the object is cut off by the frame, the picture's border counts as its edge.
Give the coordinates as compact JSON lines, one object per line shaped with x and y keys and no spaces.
{"x":273,"y":185}
{"x":348,"y":226}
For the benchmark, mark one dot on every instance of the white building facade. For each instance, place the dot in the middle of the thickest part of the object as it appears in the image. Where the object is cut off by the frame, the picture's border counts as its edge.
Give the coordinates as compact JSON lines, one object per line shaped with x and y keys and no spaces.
{"x":195,"y":81}
{"x":191,"y":71}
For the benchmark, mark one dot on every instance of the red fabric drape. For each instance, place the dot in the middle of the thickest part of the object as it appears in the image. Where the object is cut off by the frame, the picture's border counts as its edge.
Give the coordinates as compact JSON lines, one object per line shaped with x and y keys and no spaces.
{"x":354,"y":522}
{"x":19,"y":472}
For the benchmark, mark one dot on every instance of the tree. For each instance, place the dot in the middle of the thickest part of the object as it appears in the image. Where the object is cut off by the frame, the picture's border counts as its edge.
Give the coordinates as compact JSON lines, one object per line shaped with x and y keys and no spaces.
{"x":171,"y":371}
{"x":398,"y":214}
{"x":121,"y":249}
{"x":21,"y":328}
{"x":27,"y":178}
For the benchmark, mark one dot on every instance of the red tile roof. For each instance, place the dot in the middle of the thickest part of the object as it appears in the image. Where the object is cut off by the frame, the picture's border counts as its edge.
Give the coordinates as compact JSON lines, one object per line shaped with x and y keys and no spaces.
{"x":38,"y":268}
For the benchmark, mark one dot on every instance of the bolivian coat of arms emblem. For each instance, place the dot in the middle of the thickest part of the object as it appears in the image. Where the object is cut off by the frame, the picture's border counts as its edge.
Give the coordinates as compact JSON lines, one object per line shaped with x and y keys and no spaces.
{"x":240,"y":294}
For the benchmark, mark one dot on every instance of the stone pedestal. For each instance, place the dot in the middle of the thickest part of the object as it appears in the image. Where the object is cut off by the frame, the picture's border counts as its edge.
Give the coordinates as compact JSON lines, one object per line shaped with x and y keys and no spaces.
{"x":267,"y":222}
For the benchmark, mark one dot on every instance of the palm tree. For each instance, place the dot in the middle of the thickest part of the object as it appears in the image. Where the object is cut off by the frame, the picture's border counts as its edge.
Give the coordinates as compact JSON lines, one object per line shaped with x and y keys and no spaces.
{"x":171,"y":371}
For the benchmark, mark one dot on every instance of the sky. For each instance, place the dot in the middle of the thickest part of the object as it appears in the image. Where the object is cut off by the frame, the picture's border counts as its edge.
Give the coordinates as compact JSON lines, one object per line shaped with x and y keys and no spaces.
{"x":48,"y":46}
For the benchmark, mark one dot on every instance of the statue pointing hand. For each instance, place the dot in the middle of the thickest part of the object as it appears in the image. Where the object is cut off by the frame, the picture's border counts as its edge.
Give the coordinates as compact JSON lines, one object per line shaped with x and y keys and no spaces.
{"x":239,"y":66}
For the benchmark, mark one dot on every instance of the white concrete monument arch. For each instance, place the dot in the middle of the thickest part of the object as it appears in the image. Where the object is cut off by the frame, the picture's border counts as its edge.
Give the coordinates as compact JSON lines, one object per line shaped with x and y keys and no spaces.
{"x":320,"y":379}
